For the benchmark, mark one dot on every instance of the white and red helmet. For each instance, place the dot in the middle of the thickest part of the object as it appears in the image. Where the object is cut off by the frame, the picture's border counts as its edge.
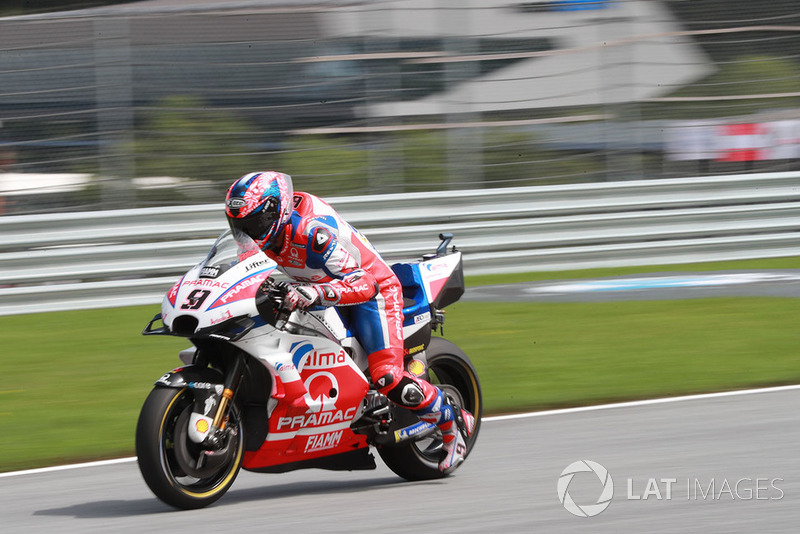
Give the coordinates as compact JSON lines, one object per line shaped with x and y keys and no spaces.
{"x":260,"y":204}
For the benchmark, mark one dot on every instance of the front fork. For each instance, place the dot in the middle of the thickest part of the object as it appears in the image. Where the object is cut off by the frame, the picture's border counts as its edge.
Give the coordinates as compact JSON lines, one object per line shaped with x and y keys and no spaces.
{"x":209,"y":418}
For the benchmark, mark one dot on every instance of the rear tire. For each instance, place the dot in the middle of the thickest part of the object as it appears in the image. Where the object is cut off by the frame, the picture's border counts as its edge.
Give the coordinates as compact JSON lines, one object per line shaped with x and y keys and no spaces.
{"x":168,"y":458}
{"x":452,"y":371}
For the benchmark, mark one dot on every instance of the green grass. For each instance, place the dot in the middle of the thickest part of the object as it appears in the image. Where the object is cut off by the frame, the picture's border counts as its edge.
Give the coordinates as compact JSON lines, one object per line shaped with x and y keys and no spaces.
{"x":72,"y":383}
{"x":543,"y":355}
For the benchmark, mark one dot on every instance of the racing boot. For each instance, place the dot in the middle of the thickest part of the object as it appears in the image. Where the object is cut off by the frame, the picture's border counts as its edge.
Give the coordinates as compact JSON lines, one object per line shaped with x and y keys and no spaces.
{"x":456,"y":425}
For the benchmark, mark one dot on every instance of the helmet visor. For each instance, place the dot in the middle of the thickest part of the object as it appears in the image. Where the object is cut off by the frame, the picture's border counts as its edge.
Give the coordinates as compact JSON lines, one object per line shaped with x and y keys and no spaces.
{"x":256,"y":225}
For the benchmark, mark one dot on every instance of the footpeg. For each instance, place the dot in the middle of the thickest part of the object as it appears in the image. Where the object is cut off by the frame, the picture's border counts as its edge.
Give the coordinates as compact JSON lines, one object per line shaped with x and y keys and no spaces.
{"x":376,"y":422}
{"x":376,"y":416}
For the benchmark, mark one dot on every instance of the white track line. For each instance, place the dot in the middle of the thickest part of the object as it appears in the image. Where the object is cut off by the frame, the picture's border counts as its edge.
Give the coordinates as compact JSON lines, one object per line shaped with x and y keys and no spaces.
{"x":646,"y":402}
{"x":66,"y":467}
{"x":578,"y":409}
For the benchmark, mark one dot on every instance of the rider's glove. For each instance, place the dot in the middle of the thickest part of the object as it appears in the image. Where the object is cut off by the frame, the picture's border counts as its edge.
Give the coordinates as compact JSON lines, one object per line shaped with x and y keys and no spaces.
{"x":300,"y":297}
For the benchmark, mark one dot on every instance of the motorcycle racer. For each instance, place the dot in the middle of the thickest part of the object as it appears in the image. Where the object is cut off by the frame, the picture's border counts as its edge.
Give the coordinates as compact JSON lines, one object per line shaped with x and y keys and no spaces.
{"x":335,"y":265}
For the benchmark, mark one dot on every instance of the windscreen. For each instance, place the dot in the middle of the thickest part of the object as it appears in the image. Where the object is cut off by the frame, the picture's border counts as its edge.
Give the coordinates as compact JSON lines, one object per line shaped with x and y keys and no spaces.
{"x":231,"y":247}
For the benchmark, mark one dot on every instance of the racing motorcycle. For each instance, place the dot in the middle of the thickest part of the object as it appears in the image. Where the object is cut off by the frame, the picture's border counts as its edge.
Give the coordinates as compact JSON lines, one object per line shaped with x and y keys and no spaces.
{"x":268,"y":390}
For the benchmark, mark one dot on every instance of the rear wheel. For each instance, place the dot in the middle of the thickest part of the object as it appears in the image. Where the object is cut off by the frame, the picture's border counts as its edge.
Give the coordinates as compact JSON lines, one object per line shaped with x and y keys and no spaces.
{"x":178,"y":471}
{"x":450,"y":370}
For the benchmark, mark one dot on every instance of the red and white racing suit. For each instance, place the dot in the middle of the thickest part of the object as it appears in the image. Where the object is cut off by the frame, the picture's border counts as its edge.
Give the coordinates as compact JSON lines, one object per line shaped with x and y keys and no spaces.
{"x":322,"y":249}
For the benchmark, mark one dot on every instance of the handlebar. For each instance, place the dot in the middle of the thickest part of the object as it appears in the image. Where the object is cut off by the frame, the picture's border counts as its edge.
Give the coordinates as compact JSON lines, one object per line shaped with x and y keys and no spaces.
{"x":270,"y":301}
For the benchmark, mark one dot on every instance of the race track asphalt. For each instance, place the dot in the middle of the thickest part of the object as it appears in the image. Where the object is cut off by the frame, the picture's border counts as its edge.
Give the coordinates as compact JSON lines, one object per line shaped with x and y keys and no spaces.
{"x":730,"y":463}
{"x":705,"y":464}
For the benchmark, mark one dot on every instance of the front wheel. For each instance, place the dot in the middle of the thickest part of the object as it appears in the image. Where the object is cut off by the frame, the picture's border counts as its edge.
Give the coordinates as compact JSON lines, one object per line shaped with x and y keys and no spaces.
{"x":452,"y":372}
{"x":178,"y":471}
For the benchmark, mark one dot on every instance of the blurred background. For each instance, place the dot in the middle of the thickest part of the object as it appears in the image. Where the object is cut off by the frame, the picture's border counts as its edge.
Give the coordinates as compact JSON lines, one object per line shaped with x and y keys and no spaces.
{"x":622,"y":135}
{"x":109,"y":105}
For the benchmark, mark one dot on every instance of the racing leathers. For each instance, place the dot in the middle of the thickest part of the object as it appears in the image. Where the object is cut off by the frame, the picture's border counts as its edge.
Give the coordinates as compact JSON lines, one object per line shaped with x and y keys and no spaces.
{"x":341,"y":268}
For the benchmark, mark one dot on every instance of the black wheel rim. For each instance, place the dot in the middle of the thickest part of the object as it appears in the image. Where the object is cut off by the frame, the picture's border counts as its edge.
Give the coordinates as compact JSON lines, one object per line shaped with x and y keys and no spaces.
{"x":174,"y":461}
{"x":454,"y":378}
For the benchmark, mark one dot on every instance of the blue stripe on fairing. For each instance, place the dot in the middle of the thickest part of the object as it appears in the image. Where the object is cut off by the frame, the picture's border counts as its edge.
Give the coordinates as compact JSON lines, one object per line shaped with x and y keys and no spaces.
{"x":298,"y":354}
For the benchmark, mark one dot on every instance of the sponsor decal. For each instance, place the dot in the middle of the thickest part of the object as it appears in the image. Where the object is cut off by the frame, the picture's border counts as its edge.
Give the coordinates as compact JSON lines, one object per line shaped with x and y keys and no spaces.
{"x":358,"y":288}
{"x":224,"y":317}
{"x":203,"y":385}
{"x":422,"y":318}
{"x":413,"y":350}
{"x":236,"y":203}
{"x":416,"y":367}
{"x":325,"y":360}
{"x":202,"y":426}
{"x":325,"y":375}
{"x":199,"y":426}
{"x":245,"y":288}
{"x":435,"y":275}
{"x":322,"y":390}
{"x":209,"y":272}
{"x":322,"y":394}
{"x":316,"y":419}
{"x":206,"y":282}
{"x":255,"y":264}
{"x":395,"y":299}
{"x":436,"y":267}
{"x":285,"y":367}
{"x":410,"y":432}
{"x":321,"y":442}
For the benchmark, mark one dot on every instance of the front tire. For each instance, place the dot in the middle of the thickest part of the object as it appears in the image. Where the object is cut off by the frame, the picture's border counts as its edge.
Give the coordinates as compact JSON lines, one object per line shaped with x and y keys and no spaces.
{"x":177,"y":470}
{"x":452,"y":371}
